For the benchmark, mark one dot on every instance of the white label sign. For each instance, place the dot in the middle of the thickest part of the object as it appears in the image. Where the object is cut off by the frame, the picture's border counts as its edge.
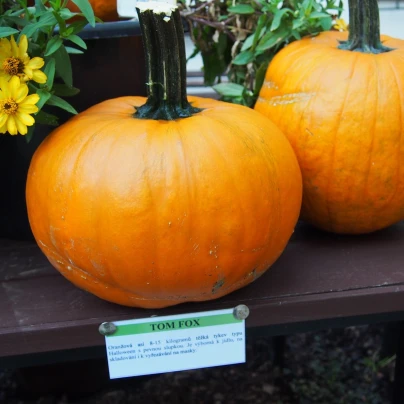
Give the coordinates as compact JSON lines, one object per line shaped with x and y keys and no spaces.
{"x":173,"y":343}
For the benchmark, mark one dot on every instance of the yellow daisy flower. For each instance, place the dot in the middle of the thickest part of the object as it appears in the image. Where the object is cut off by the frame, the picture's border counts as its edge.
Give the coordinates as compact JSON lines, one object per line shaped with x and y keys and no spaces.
{"x":14,"y":61}
{"x":16,"y":106}
{"x":340,"y":25}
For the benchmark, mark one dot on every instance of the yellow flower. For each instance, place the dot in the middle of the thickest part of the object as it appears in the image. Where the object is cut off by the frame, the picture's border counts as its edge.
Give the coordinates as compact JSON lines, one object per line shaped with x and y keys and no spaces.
{"x":340,"y":25}
{"x":14,"y":61}
{"x":16,"y":106}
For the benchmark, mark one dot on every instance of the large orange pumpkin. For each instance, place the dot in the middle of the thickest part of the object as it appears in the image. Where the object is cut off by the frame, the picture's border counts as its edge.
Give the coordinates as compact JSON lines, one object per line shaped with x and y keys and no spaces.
{"x":339,"y":101}
{"x":153,"y":203}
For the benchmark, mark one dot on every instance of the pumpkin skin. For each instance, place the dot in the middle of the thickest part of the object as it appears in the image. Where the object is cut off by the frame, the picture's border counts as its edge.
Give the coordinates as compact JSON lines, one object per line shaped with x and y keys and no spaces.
{"x":343,"y":114}
{"x":153,"y":213}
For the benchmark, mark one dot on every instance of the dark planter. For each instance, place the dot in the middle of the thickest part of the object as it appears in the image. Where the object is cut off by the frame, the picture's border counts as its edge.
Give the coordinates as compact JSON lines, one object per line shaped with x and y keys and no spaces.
{"x":112,"y":66}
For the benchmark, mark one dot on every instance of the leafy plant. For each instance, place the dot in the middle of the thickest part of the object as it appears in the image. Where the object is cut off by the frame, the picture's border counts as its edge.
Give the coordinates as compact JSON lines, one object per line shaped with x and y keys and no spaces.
{"x":240,"y":37}
{"x":51,"y":36}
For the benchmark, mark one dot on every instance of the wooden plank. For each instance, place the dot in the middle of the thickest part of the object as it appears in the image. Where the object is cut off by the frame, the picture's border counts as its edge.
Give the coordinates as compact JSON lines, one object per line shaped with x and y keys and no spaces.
{"x":319,"y":276}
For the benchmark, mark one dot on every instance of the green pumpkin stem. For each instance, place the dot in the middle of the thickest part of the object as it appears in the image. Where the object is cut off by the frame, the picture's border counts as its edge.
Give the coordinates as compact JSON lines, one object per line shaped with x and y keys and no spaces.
{"x":364,"y":28}
{"x":163,"y":40}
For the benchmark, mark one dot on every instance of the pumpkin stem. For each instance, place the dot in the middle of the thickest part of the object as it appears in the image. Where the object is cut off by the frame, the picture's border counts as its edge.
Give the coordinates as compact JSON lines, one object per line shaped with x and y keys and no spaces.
{"x":163,"y":40}
{"x":364,"y":28}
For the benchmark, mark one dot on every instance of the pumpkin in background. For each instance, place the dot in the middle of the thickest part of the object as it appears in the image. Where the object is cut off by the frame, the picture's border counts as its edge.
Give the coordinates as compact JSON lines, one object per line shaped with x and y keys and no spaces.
{"x":106,"y":10}
{"x":155,"y":202}
{"x":340,"y":102}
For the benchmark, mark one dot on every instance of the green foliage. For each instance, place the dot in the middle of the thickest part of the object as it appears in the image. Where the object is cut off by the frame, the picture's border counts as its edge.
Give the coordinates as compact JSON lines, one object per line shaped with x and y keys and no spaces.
{"x":53,"y":38}
{"x":239,"y":38}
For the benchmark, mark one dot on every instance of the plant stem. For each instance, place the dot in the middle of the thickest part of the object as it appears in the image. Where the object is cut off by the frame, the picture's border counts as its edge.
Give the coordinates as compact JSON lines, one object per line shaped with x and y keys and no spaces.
{"x":364,"y":28}
{"x":163,"y":40}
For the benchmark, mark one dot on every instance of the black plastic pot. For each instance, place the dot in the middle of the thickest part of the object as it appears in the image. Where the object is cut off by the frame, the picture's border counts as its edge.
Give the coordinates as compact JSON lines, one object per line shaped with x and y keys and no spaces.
{"x":112,"y":66}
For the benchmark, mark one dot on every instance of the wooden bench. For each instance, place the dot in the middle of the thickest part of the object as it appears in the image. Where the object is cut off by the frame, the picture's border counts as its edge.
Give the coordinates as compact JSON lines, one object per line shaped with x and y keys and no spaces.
{"x":320,"y":281}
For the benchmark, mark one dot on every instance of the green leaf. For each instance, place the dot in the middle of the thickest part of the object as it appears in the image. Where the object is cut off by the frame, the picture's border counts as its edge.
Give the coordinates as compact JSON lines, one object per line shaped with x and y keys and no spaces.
{"x":67,"y":32}
{"x":44,"y":118}
{"x":298,"y":23}
{"x":244,"y":58}
{"x":17,"y":13}
{"x":77,"y":26}
{"x":12,"y":21}
{"x":276,"y":22}
{"x":251,"y":40}
{"x":326,"y":23}
{"x":73,"y":51}
{"x":53,"y":45}
{"x":49,"y":70}
{"x":261,"y":29}
{"x":195,"y":52}
{"x":340,"y":8}
{"x":260,"y":77}
{"x":271,"y":39}
{"x":64,"y":66}
{"x":248,"y":42}
{"x":45,"y":21}
{"x":61,"y":103}
{"x":222,"y":43}
{"x":39,"y":6}
{"x":213,"y":67}
{"x":306,"y":7}
{"x":61,"y":22}
{"x":317,"y":14}
{"x":66,"y":14}
{"x":77,"y":40}
{"x":56,"y":4}
{"x":44,"y":96}
{"x":64,"y":91}
{"x":86,"y":9}
{"x":7,"y":31}
{"x":241,"y":9}
{"x":296,"y":35}
{"x":229,"y":89}
{"x":30,"y":133}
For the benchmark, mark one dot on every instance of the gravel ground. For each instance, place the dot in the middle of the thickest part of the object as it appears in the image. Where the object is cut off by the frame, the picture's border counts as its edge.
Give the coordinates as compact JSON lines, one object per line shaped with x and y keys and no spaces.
{"x":343,"y":366}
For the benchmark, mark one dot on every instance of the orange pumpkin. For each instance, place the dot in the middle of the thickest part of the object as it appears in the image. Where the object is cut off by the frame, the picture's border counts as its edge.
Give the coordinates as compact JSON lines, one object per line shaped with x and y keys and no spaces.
{"x":339,"y":101}
{"x":153,"y":203}
{"x":106,"y":10}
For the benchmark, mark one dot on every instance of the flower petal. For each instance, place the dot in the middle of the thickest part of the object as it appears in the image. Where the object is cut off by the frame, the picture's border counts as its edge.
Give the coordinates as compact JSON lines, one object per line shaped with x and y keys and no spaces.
{"x":21,"y":127}
{"x":5,"y":47}
{"x":35,"y":63}
{"x":25,"y":118}
{"x":23,"y":46}
{"x":4,"y":85}
{"x":29,"y":73}
{"x":3,"y":119}
{"x":13,"y":86}
{"x":14,"y":47}
{"x":30,"y":100}
{"x":11,"y":125}
{"x":39,"y":77}
{"x":28,"y":108}
{"x":4,"y":75}
{"x":22,"y":92}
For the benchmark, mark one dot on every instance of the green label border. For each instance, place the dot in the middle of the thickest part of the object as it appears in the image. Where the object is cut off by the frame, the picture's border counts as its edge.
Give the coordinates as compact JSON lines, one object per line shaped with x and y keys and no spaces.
{"x":175,"y":324}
